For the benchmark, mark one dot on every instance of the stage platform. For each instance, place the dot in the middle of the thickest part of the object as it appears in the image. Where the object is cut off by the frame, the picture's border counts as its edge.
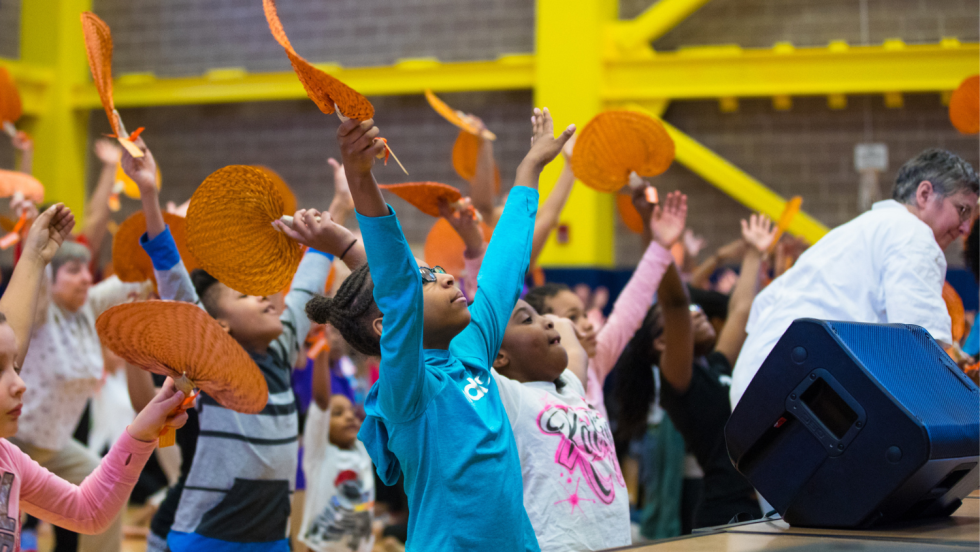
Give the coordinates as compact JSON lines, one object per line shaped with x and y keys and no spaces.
{"x":959,"y":532}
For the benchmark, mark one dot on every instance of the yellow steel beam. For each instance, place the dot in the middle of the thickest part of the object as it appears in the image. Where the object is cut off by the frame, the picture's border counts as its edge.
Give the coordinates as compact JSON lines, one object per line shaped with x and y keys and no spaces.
{"x":567,"y":80}
{"x":51,"y":38}
{"x":736,"y":183}
{"x":653,"y":23}
{"x":32,"y":82}
{"x":731,"y":71}
{"x":411,"y":76}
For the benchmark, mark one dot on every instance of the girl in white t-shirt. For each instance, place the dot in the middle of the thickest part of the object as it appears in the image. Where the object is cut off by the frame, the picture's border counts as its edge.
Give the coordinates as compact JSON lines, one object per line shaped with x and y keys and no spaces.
{"x":574,"y":491}
{"x":339,"y":504}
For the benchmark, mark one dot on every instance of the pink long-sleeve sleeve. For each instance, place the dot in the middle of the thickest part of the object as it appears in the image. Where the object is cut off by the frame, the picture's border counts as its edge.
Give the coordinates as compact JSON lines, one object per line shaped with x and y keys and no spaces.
{"x":88,"y":508}
{"x":626,"y":317}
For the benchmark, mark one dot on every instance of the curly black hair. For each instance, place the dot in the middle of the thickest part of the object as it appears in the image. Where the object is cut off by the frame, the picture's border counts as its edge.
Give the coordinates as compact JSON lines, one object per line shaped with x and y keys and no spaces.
{"x":635,"y":388}
{"x":537,"y":297}
{"x":352,"y":311}
{"x":970,"y":253}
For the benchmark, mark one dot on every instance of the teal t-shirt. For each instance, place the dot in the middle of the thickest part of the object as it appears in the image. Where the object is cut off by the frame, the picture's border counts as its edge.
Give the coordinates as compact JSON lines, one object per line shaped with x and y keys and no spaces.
{"x":435,"y":415}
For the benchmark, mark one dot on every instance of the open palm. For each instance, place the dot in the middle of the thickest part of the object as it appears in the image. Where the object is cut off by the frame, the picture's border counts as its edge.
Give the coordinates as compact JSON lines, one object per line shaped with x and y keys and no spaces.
{"x":669,"y":219}
{"x":758,"y":232}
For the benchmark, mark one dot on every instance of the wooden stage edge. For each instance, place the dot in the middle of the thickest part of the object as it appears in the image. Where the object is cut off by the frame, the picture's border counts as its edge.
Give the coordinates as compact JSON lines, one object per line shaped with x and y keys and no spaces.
{"x":961,"y":531}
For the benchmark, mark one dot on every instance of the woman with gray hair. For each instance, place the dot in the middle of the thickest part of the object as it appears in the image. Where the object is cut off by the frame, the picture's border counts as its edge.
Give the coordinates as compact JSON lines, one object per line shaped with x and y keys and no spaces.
{"x":885,"y":266}
{"x":63,"y":369}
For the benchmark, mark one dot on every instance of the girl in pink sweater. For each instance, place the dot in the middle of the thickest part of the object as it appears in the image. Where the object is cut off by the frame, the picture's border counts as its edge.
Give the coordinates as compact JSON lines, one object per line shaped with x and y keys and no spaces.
{"x":91,"y":507}
{"x":666,"y":224}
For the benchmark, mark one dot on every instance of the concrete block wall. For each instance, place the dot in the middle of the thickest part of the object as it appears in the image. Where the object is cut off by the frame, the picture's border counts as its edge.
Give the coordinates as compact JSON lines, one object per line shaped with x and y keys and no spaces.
{"x":188,"y":37}
{"x":10,"y":29}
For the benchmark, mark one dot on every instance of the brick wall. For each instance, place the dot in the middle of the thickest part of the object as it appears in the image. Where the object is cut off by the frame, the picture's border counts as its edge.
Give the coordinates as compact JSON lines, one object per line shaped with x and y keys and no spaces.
{"x":806,"y":151}
{"x":295,"y":139}
{"x":10,"y":29}
{"x":186,"y":37}
{"x":760,"y":23}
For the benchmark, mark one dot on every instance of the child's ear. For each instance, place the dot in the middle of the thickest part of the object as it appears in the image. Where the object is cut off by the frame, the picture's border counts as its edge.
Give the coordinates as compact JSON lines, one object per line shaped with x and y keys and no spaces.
{"x":660,"y":344}
{"x":224,"y":324}
{"x":502,"y":360}
{"x":376,"y":324}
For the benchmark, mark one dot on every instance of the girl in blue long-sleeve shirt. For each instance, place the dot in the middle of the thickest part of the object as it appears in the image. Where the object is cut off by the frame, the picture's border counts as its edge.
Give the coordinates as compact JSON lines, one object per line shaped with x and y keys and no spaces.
{"x":435,"y":414}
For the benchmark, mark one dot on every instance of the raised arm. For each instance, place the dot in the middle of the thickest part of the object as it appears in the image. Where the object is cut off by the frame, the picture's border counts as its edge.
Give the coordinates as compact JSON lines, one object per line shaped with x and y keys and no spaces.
{"x":483,"y":184}
{"x":550,"y":213}
{"x":343,"y":204}
{"x":97,"y":208}
{"x":19,"y":301}
{"x":758,"y":233}
{"x":508,"y":255}
{"x":464,"y":222}
{"x":677,"y":358}
{"x":666,"y":225}
{"x":23,"y":143}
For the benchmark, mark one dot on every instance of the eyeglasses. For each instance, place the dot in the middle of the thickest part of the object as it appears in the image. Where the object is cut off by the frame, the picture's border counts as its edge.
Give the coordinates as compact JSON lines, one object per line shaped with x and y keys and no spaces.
{"x":965,"y":212}
{"x":429,"y":274}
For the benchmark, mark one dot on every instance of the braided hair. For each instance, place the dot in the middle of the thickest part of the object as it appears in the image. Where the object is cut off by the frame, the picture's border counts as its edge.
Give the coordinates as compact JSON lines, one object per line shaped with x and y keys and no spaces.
{"x":635,"y":387}
{"x":352,"y":311}
{"x":538,"y":296}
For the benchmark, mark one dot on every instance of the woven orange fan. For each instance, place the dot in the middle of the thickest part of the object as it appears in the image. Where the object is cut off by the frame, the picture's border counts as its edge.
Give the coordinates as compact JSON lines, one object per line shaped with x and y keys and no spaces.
{"x":130,"y":262}
{"x":785,"y":220}
{"x":957,"y":314}
{"x":128,"y":187}
{"x":425,"y":196}
{"x":616,"y":143}
{"x":230,"y":231}
{"x":98,"y":49}
{"x":12,"y":182}
{"x":458,"y":118}
{"x":182,"y":341}
{"x":627,"y":211}
{"x":10,"y":106}
{"x":964,"y":106}
{"x":465,"y":151}
{"x":288,"y":197}
{"x":444,"y":247}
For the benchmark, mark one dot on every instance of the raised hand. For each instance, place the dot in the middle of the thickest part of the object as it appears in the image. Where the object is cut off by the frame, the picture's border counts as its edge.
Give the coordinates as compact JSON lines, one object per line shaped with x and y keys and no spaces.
{"x":108,"y":152}
{"x":22,"y":142}
{"x":48,"y":232}
{"x":465,"y":222}
{"x":164,"y":411}
{"x":343,"y":203}
{"x":758,"y":232}
{"x":544,"y":145}
{"x":315,"y":229}
{"x":142,"y":170}
{"x":569,"y":146}
{"x":693,"y":244}
{"x":669,"y":218}
{"x":358,"y":146}
{"x":22,"y":206}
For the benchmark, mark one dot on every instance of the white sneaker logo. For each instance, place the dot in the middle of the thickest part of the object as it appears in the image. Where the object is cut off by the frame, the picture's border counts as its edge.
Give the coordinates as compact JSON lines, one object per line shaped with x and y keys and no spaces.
{"x":475,"y":390}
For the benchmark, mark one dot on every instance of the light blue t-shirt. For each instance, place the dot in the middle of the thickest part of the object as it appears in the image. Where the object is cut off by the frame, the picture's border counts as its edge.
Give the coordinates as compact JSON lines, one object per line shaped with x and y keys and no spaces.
{"x":435,"y":415}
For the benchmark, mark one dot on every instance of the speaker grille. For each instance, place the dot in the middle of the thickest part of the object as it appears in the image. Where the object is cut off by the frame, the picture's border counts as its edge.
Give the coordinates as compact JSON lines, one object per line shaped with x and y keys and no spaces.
{"x":922,"y":378}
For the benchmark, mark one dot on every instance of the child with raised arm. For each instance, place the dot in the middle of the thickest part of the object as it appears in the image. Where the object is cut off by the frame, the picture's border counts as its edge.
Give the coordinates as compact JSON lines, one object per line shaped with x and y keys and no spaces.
{"x":666,"y":223}
{"x":237,"y":493}
{"x":24,"y":485}
{"x":435,"y":414}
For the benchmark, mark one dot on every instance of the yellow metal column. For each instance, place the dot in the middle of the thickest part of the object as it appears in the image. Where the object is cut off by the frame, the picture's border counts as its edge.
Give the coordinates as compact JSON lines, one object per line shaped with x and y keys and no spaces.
{"x":51,"y":37}
{"x":569,"y":72}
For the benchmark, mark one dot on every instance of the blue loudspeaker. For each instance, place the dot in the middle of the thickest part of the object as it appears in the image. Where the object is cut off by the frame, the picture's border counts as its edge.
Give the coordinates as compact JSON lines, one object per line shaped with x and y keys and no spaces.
{"x":852,"y":425}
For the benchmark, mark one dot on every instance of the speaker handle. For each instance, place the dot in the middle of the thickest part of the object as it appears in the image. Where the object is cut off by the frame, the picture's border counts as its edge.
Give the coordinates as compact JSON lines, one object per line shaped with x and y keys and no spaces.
{"x":827,"y":410}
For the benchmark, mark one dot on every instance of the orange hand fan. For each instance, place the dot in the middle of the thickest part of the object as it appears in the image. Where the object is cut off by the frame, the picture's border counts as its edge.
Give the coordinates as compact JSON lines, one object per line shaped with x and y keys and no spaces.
{"x":627,"y":211}
{"x":425,"y":196}
{"x":328,"y":93}
{"x":288,"y":197}
{"x":956,"y":311}
{"x":964,"y":106}
{"x":10,"y":106}
{"x":465,"y":152}
{"x":183,"y":342}
{"x":128,"y":187}
{"x":130,"y":262}
{"x":462,"y":120}
{"x":14,"y":232}
{"x":230,"y":231}
{"x":98,"y":48}
{"x":785,"y":220}
{"x":444,"y":247}
{"x":616,"y":143}
{"x":12,"y":182}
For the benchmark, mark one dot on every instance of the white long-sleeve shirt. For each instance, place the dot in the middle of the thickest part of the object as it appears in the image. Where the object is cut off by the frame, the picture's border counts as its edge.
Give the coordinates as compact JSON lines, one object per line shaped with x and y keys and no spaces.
{"x":884,"y":266}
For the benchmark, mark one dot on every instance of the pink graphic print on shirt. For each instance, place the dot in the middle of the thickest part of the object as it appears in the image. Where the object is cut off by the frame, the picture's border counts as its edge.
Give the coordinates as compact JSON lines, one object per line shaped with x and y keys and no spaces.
{"x":587,"y":444}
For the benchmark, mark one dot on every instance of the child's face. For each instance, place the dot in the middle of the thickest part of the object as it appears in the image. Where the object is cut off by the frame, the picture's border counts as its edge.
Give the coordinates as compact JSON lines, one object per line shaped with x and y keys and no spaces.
{"x":568,"y":305}
{"x":250,"y":319}
{"x":70,"y":287}
{"x":531,"y":349}
{"x":344,"y":425}
{"x":446,"y":312}
{"x":11,"y":386}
